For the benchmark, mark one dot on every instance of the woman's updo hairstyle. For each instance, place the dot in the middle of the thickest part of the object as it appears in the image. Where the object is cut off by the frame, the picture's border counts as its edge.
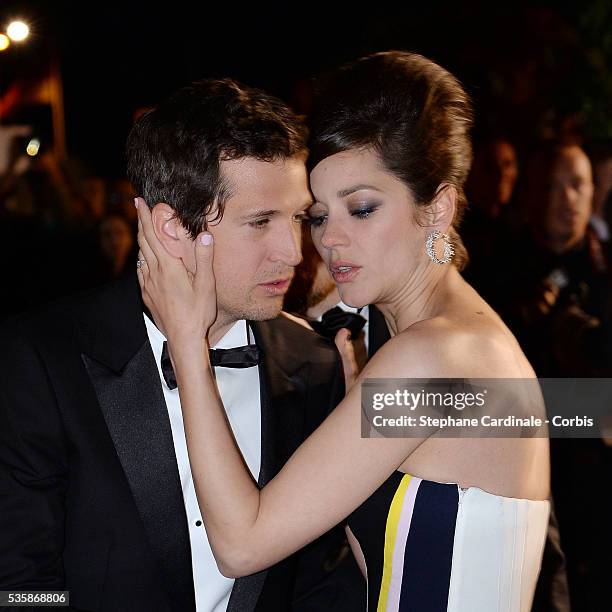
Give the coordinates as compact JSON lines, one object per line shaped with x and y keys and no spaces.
{"x":413,"y":113}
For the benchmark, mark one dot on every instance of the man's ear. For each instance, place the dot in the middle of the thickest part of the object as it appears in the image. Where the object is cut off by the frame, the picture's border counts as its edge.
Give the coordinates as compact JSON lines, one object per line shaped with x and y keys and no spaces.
{"x":169,"y":230}
{"x":441,"y":211}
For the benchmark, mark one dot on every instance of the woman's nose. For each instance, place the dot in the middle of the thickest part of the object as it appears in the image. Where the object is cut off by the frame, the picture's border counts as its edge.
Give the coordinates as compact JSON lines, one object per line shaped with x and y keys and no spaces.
{"x":334,"y":234}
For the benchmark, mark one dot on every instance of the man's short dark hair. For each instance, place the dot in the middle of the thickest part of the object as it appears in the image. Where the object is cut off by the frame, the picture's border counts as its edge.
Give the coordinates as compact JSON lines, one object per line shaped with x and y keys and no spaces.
{"x":174,"y":151}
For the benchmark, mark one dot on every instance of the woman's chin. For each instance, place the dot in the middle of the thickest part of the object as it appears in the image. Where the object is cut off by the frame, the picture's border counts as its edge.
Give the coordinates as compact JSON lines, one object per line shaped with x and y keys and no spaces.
{"x":353,"y":298}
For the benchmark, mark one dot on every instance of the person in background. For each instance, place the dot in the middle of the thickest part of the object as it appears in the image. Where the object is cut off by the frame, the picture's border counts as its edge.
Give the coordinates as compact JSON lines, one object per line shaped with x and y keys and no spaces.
{"x":555,"y":293}
{"x":490,"y":185}
{"x":554,"y":288}
{"x":121,"y":196}
{"x":116,"y":244}
{"x":601,"y":217}
{"x":491,"y":215}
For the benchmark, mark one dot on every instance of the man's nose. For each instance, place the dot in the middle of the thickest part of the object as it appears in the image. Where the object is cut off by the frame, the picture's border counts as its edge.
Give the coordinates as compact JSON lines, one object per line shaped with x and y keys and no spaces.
{"x":287,"y":247}
{"x":569,"y":194}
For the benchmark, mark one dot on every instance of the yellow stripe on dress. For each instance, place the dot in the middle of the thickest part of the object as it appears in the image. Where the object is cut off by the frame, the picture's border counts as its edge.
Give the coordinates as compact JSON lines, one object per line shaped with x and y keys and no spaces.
{"x":393,"y":518}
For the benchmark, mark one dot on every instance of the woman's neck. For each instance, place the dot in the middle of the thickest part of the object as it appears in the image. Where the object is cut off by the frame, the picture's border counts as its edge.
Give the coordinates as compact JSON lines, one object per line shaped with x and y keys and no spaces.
{"x":419,"y":299}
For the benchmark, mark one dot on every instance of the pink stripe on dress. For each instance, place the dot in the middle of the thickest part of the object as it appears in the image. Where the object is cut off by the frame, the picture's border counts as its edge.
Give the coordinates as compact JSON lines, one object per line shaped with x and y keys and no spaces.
{"x":403,"y":527}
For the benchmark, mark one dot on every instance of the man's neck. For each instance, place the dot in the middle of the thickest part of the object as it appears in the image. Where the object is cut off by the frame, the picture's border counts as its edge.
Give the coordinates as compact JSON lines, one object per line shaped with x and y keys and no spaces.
{"x":218,"y":330}
{"x":329,"y":301}
{"x":215,"y":333}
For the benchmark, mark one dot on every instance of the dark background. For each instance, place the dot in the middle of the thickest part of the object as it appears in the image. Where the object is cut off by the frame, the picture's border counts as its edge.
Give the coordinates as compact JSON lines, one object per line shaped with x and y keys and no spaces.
{"x":529,"y":66}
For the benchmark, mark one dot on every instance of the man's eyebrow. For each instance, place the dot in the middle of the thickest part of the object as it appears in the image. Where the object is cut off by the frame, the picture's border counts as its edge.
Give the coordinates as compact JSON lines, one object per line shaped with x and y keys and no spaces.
{"x":346,"y":192}
{"x":257,"y":214}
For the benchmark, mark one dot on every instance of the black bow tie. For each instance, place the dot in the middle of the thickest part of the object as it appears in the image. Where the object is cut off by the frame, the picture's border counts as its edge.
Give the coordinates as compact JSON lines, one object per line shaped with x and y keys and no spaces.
{"x":335,"y":319}
{"x":239,"y":357}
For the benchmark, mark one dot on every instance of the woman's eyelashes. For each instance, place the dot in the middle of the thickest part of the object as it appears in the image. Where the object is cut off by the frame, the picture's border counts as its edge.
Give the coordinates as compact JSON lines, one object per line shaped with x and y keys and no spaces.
{"x":315,"y":220}
{"x":362,"y":211}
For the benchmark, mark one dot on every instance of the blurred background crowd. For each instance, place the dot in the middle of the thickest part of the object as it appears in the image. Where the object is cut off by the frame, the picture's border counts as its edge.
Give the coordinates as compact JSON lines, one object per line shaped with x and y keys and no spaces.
{"x":538,"y":227}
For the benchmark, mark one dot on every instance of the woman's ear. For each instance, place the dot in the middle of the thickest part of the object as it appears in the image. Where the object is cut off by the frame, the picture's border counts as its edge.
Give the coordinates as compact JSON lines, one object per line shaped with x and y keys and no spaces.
{"x":441,"y":211}
{"x":169,"y":230}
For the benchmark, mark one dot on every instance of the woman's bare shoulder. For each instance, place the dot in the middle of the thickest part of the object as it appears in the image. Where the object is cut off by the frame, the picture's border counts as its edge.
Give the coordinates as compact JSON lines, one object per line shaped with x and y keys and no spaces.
{"x":441,"y":347}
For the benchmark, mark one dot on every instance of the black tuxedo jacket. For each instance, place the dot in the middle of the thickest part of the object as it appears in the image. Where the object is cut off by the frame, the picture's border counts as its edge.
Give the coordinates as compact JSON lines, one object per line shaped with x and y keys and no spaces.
{"x":90,"y":496}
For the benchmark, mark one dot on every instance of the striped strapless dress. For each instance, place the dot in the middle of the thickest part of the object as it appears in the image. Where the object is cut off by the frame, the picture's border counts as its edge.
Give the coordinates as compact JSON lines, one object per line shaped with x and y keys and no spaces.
{"x":432,"y":547}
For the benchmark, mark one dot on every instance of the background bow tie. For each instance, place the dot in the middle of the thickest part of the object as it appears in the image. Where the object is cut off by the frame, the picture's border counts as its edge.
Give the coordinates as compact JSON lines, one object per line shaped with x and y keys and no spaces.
{"x":238,"y":357}
{"x":335,"y":319}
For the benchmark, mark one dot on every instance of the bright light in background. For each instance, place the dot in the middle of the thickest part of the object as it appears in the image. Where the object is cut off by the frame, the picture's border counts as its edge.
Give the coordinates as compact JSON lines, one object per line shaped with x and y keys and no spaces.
{"x":33,"y":146}
{"x":17,"y":31}
{"x":4,"y":42}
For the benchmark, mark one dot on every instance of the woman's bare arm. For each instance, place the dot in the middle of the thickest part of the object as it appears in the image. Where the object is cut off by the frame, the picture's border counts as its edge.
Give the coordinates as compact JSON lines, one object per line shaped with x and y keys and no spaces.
{"x":330,"y":475}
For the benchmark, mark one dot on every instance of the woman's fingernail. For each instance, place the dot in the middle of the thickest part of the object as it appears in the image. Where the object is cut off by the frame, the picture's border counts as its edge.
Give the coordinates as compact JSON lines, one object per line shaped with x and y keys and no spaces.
{"x":136,"y":202}
{"x":206,"y":239}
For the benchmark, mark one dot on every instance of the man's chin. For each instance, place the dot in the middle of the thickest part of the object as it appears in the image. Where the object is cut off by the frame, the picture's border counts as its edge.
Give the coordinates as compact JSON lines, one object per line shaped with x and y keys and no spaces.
{"x":317,"y":295}
{"x":264,"y":310}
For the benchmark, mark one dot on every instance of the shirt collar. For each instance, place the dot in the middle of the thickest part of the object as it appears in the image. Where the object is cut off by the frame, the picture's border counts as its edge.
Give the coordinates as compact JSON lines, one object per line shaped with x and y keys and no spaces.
{"x":237,"y":335}
{"x":364,"y":312}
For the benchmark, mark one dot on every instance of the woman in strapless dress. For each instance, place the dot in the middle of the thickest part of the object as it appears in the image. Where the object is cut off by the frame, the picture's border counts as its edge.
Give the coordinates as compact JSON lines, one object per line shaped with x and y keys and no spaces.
{"x":436,"y":522}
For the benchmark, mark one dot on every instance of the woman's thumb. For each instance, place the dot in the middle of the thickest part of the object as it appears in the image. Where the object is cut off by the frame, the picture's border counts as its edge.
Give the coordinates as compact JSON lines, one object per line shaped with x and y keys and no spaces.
{"x":347,"y":354}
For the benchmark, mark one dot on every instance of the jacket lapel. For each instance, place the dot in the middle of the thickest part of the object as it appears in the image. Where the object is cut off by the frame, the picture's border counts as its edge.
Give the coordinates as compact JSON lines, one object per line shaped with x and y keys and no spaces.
{"x":283,"y":384}
{"x":282,"y":389}
{"x":132,"y":402}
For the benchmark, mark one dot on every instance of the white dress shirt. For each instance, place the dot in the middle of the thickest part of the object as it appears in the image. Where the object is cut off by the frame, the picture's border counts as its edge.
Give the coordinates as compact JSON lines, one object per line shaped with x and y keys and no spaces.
{"x":239,"y":390}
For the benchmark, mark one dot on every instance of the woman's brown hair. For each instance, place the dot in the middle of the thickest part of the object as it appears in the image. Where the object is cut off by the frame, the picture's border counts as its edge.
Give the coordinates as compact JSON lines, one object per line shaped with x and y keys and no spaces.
{"x":413,"y":113}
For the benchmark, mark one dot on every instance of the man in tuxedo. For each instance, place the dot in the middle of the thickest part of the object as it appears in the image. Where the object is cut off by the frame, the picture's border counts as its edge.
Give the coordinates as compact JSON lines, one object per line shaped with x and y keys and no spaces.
{"x":96,"y":493}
